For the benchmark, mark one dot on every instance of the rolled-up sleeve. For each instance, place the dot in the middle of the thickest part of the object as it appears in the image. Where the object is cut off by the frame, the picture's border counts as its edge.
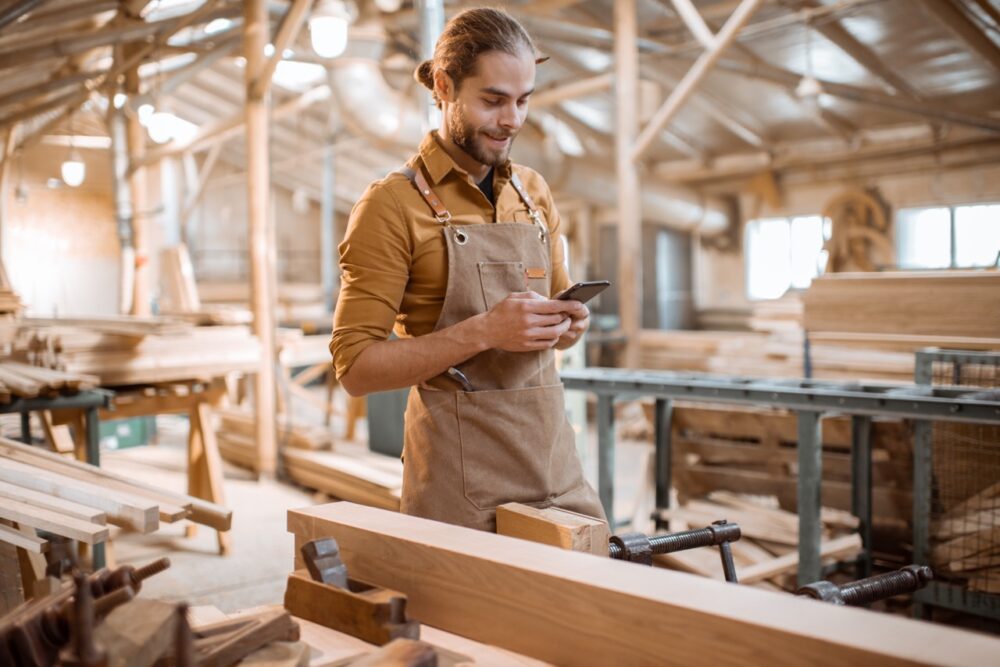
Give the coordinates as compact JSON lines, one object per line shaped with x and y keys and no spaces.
{"x":375,"y":268}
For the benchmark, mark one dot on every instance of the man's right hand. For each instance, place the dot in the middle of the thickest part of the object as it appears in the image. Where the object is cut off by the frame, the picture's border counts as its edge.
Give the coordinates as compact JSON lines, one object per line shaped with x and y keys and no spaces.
{"x":526,"y":322}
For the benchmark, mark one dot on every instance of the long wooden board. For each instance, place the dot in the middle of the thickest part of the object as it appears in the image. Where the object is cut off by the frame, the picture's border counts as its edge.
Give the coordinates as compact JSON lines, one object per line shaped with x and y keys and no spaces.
{"x":573,"y":608}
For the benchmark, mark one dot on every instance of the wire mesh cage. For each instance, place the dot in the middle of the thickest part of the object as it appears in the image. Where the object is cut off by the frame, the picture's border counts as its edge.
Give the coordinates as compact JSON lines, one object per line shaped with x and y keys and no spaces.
{"x":964,"y":529}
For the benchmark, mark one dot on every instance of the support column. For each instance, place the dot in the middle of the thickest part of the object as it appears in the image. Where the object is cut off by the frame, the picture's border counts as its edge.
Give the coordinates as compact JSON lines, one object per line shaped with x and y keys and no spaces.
{"x":810,"y":489}
{"x":261,"y":233}
{"x":124,"y":210}
{"x":135,"y":258}
{"x":328,"y":264}
{"x":629,"y":208}
{"x":606,"y":455}
{"x":431,"y":24}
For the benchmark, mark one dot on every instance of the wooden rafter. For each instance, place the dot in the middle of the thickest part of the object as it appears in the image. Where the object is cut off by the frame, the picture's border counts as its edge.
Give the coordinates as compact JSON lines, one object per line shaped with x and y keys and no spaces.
{"x":291,"y":23}
{"x":17,"y":11}
{"x":958,"y":22}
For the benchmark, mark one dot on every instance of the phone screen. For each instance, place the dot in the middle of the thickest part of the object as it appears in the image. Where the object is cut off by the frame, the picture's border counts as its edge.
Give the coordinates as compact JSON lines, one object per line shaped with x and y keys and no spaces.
{"x":584,"y":291}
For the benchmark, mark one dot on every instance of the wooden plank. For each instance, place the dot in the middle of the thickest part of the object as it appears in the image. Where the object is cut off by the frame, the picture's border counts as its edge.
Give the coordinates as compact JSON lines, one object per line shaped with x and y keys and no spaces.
{"x":138,"y":633}
{"x":840,"y":547}
{"x":121,"y":508}
{"x":30,"y":543}
{"x":571,"y":608}
{"x":195,"y":509}
{"x":557,"y":527}
{"x":53,"y":522}
{"x":46,"y":501}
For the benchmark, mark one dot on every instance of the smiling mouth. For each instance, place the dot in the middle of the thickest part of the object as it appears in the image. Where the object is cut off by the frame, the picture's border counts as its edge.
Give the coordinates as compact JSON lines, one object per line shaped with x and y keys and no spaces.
{"x":499,"y":141}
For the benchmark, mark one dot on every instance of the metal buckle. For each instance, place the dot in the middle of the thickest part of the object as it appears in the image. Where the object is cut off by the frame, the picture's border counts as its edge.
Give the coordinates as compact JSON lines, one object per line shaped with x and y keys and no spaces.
{"x":443,"y":218}
{"x":461,"y":238}
{"x":538,"y":221}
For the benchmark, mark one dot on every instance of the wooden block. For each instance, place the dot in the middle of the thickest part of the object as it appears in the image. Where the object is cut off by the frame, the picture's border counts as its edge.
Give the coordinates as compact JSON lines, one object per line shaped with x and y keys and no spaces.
{"x":138,"y":633}
{"x":841,"y":547}
{"x":399,"y":653}
{"x":571,"y":608}
{"x":279,"y":654}
{"x":46,"y":501}
{"x":226,"y":642}
{"x":373,"y":614}
{"x":558,"y":527}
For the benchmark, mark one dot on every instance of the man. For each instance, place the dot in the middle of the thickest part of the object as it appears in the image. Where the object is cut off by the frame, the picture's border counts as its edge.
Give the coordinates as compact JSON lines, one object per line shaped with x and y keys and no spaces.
{"x":461,"y":251}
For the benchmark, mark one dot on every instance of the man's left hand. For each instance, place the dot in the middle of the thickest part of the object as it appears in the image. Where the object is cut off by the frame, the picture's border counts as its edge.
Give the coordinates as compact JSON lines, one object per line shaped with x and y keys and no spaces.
{"x":580,"y":316}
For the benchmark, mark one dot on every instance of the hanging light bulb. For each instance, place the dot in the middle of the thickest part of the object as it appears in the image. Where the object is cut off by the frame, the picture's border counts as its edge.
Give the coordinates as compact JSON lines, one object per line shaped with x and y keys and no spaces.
{"x":161,"y":127}
{"x":145,"y":111}
{"x":73,"y":170}
{"x":328,"y":28}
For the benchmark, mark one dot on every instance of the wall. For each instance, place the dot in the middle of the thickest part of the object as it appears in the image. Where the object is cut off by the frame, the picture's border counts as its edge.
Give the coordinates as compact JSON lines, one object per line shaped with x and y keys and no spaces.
{"x":720,"y":280}
{"x":60,"y":246}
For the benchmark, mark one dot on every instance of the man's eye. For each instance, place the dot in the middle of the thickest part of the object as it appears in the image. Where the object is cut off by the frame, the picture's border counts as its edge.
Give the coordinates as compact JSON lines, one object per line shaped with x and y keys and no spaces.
{"x":493,"y":102}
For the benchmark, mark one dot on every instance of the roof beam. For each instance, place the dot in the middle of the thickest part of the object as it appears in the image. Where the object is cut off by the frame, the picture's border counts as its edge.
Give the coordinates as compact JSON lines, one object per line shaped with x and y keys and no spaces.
{"x":924,"y":109}
{"x":17,"y":11}
{"x":694,"y":22}
{"x":739,"y":18}
{"x":956,"y":20}
{"x":834,"y":31}
{"x":561,"y":91}
{"x":287,"y":32}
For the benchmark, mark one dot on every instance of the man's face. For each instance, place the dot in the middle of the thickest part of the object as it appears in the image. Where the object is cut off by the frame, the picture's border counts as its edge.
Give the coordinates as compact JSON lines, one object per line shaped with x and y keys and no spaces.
{"x":489,"y":108}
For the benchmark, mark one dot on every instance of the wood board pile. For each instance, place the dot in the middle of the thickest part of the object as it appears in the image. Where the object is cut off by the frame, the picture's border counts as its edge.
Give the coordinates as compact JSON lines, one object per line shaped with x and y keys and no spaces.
{"x":766,"y":555}
{"x":353,"y":474}
{"x":10,"y":302}
{"x":782,"y":315}
{"x":46,"y":491}
{"x":236,"y":436}
{"x":718,"y":352}
{"x":966,"y":541}
{"x":131,"y":350}
{"x":180,"y":297}
{"x":295,"y":301}
{"x":923,"y":303}
{"x":19,"y":380}
{"x":753,"y":450}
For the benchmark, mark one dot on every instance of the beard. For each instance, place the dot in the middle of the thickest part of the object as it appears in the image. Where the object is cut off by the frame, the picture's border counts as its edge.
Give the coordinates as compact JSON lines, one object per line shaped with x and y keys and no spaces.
{"x":471,"y":140}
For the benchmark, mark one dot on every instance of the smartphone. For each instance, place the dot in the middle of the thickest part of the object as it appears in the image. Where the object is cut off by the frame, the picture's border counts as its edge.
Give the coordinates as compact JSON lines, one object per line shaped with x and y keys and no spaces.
{"x":583,"y":292}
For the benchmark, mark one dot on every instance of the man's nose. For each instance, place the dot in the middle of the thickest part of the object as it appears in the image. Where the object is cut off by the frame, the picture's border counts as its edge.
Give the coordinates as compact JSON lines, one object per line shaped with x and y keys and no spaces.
{"x":511,"y":117}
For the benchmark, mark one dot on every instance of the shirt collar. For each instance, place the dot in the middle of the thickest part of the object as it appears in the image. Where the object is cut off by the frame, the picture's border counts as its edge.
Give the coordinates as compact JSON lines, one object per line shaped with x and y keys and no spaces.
{"x":438,"y":163}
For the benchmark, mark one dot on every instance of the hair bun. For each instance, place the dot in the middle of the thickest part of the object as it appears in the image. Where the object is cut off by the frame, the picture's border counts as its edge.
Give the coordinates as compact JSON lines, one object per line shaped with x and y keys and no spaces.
{"x":425,"y":74}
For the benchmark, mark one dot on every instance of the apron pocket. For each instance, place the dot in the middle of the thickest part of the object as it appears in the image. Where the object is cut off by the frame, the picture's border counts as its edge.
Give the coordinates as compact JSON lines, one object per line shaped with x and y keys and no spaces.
{"x":499,"y":280}
{"x":516,"y":446}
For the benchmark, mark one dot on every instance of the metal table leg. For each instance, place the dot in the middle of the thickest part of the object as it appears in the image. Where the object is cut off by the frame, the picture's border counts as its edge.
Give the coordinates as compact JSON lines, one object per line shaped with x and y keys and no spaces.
{"x":922,"y":478}
{"x":94,"y":458}
{"x":26,"y":427}
{"x":606,"y":455}
{"x":663,"y":416}
{"x":861,"y":488}
{"x":810,"y":450}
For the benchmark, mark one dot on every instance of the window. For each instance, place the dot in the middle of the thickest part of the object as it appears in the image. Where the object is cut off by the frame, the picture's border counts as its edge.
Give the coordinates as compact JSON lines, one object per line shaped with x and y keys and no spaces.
{"x":783,"y":253}
{"x":948,"y":237}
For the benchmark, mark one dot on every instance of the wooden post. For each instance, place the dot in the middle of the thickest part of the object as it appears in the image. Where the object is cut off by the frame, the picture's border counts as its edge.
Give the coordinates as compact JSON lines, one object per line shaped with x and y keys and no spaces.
{"x":328,"y":265}
{"x":629,"y":206}
{"x":261,"y":233}
{"x":140,"y":203}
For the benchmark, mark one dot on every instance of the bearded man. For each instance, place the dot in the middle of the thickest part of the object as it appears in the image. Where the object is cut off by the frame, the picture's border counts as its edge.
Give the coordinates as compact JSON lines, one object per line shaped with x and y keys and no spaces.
{"x":460,"y":253}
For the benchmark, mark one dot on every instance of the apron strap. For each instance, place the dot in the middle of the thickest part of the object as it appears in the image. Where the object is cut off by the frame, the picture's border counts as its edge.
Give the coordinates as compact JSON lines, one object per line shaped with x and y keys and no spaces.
{"x":515,"y":180}
{"x":416,"y":176}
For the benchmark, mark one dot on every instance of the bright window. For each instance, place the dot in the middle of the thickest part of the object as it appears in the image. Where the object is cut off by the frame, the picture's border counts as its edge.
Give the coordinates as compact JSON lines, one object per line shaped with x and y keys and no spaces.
{"x":948,"y":237}
{"x":783,"y":253}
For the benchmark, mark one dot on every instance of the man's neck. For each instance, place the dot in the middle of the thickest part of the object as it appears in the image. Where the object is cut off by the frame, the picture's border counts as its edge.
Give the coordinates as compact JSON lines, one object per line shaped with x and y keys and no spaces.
{"x":476,"y":169}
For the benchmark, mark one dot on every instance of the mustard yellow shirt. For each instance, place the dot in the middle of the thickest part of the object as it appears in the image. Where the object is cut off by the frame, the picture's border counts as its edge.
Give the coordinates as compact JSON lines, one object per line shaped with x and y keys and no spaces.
{"x":394,"y":261}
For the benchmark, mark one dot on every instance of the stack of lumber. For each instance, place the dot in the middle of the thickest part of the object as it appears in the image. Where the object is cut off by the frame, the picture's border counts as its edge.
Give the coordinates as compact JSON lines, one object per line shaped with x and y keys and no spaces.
{"x":10,"y":303}
{"x":180,"y":297}
{"x":967,"y":541}
{"x":236,"y":436}
{"x":19,"y":380}
{"x":783,"y":315}
{"x":754,"y":450}
{"x":46,"y":491}
{"x":295,"y":301}
{"x":353,"y":474}
{"x":718,"y":352}
{"x":766,"y":554}
{"x":923,"y":303}
{"x":132,"y":350}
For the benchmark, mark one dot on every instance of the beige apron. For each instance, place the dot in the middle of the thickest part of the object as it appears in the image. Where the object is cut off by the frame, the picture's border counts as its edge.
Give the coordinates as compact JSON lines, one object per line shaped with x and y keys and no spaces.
{"x":508,"y":440}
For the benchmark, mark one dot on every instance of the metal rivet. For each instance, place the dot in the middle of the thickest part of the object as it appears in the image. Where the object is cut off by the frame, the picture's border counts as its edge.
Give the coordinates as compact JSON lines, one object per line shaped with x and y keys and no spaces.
{"x":427,"y":192}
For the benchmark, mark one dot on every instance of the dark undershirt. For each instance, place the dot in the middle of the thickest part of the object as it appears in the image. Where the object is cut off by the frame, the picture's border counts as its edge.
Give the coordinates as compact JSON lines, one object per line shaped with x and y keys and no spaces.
{"x":486,"y":186}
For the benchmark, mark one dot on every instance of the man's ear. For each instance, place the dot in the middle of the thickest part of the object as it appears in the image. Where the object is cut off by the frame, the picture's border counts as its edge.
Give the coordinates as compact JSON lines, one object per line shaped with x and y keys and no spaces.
{"x":444,"y":86}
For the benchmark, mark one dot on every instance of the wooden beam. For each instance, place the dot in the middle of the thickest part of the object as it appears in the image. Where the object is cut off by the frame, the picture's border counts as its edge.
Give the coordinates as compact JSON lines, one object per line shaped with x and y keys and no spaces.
{"x":199,"y":187}
{"x":17,"y":11}
{"x":577,"y":87}
{"x":572,"y":608}
{"x":291,"y":23}
{"x":140,"y":288}
{"x":54,"y":522}
{"x":694,"y":22}
{"x":695,"y":76}
{"x":261,"y":235}
{"x":30,"y":543}
{"x":958,"y":23}
{"x":834,"y":31}
{"x":629,"y":206}
{"x":58,"y":16}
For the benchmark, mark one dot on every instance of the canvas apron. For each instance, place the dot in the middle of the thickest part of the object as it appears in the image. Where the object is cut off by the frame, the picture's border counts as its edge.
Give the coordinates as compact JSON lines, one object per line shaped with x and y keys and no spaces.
{"x":508,"y":440}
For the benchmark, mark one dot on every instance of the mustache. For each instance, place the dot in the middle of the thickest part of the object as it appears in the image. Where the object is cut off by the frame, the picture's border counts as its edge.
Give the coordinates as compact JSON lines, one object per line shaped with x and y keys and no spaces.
{"x":498,"y":134}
